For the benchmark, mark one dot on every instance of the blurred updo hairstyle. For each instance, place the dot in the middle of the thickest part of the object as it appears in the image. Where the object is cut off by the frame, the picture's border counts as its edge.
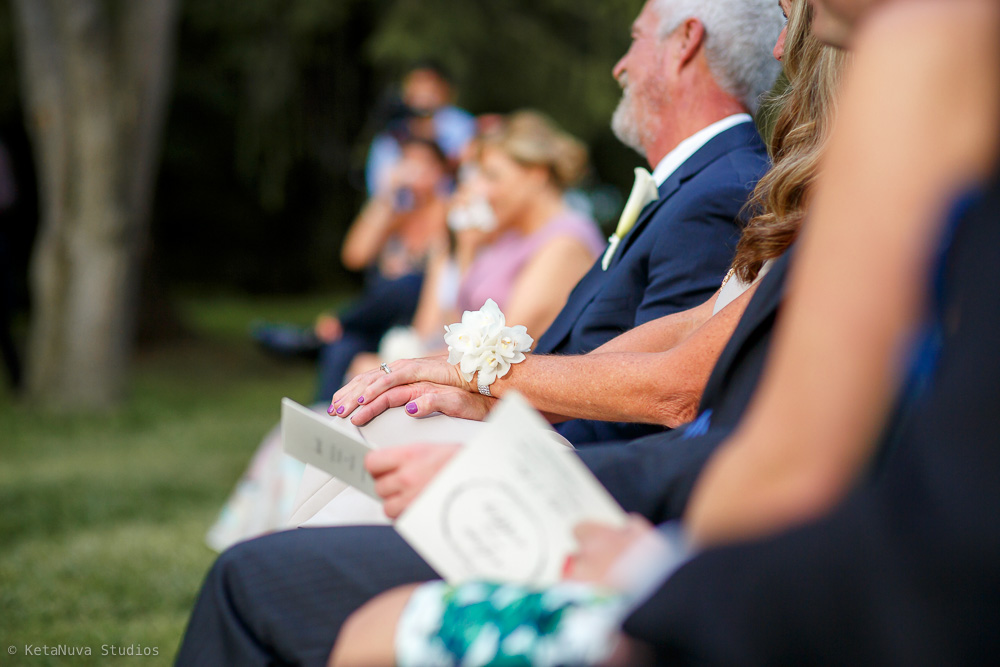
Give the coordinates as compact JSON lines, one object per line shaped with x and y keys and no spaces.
{"x":533,"y":139}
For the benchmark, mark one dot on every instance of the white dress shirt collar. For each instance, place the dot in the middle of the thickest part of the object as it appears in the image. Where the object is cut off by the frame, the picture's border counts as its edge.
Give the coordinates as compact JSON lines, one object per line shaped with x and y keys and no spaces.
{"x":675,"y":158}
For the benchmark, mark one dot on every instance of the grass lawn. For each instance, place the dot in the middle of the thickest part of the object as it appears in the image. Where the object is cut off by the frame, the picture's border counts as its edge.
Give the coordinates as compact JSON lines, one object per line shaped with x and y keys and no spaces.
{"x":103,"y":517}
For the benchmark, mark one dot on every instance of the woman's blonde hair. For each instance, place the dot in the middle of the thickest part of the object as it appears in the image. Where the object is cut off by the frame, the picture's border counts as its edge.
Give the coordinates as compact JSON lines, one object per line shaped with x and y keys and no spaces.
{"x":533,"y":139}
{"x":801,"y":128}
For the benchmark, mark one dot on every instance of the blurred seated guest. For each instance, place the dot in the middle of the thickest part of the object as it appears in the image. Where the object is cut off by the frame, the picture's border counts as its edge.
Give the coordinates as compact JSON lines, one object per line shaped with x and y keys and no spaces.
{"x":426,"y":111}
{"x":528,"y":262}
{"x":391,"y":239}
{"x":541,"y":247}
{"x":538,"y":248}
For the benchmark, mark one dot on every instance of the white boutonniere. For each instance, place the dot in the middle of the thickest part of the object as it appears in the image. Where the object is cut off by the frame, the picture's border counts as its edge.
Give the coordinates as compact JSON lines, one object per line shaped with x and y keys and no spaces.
{"x":644,"y":192}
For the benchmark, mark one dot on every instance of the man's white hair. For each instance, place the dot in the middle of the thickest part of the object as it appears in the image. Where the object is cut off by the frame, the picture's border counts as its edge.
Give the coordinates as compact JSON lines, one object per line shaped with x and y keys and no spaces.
{"x":739,"y":40}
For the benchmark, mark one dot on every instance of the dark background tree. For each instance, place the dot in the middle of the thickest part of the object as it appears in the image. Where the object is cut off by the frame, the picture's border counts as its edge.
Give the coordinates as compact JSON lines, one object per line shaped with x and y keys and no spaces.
{"x":94,"y":79}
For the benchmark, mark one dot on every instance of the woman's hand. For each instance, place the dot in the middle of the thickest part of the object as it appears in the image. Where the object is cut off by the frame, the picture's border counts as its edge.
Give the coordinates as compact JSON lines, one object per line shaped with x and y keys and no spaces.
{"x":422,"y":399}
{"x":364,"y":389}
{"x":600,"y":548}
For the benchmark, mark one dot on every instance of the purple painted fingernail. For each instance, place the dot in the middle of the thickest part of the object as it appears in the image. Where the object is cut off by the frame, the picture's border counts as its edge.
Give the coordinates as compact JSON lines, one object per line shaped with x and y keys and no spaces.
{"x":411,"y":407}
{"x":361,"y":399}
{"x":330,"y":410}
{"x":340,"y":410}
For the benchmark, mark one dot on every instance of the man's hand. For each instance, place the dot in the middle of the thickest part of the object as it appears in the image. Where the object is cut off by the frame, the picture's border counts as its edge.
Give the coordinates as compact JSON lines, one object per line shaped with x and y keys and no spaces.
{"x":365,"y":388}
{"x":328,"y":328}
{"x":600,"y":547}
{"x":401,"y":473}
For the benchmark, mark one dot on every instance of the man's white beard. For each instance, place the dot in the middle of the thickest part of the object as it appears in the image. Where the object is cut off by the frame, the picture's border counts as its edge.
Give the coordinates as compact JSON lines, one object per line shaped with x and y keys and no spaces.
{"x":624,"y":123}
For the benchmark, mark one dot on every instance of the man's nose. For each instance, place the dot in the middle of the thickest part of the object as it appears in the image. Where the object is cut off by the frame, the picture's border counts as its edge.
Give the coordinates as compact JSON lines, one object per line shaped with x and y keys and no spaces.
{"x":619,"y":69}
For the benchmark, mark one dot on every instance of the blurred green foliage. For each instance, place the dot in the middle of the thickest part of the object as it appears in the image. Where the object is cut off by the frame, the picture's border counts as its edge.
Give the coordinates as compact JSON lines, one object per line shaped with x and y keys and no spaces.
{"x":272,"y":114}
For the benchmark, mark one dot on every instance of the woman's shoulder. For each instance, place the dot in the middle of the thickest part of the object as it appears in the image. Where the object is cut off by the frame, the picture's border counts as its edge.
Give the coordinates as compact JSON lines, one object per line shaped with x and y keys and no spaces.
{"x":576,"y":226}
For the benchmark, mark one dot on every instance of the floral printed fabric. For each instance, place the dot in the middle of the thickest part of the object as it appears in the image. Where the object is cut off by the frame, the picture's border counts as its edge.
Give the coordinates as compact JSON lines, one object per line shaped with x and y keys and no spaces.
{"x":493,"y":624}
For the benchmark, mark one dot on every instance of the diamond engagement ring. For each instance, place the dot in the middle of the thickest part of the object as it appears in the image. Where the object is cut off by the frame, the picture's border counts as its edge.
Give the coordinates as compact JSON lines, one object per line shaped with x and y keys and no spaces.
{"x":385,"y":368}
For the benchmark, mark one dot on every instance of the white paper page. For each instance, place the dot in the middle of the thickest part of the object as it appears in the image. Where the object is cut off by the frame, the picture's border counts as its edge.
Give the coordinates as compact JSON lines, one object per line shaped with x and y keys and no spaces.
{"x":504,"y":508}
{"x":311,"y":438}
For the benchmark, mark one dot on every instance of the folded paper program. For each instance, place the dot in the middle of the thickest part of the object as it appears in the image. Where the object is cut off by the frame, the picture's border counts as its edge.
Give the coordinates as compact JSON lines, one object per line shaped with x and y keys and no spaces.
{"x":502,"y":509}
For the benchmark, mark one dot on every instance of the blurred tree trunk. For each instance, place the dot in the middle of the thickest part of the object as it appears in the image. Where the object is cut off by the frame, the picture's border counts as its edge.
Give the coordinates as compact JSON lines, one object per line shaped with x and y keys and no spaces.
{"x":95,"y":76}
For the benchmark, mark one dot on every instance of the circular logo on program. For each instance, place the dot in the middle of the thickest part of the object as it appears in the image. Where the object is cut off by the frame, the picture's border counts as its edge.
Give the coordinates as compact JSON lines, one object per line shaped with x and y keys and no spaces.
{"x":494,"y":531}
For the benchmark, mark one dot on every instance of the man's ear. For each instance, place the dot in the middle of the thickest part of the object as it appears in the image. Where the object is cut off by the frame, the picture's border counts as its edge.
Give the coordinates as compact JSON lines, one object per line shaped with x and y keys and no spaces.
{"x":692,"y":37}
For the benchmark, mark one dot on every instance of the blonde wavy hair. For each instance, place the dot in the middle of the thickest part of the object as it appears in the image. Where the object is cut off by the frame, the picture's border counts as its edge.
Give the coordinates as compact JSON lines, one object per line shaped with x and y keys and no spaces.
{"x":806,"y":111}
{"x":533,"y":139}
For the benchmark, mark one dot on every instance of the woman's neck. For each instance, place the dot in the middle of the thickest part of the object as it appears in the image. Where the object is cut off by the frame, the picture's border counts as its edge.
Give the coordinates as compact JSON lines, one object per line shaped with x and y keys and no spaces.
{"x":547,"y":205}
{"x":421,"y":226}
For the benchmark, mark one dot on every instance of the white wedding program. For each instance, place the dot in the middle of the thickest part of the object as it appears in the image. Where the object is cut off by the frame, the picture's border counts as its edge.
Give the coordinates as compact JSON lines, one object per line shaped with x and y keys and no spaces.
{"x":503,"y":509}
{"x":333,"y":445}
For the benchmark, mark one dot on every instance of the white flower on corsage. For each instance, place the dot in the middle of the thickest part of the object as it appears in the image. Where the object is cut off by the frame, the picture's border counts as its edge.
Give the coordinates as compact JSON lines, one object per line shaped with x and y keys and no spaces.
{"x":483,"y":343}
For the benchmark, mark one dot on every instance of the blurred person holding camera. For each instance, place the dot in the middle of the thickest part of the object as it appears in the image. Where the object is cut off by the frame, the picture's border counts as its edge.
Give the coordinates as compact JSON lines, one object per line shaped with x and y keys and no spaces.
{"x":391,"y":240}
{"x":425,"y":109}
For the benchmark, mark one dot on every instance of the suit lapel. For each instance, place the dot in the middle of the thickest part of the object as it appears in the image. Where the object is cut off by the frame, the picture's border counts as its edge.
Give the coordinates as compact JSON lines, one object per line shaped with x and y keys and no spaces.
{"x":667,"y":190}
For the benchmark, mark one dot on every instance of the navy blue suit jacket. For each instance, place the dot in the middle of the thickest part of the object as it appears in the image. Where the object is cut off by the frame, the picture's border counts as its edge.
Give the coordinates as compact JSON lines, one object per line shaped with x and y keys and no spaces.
{"x":673,"y":259}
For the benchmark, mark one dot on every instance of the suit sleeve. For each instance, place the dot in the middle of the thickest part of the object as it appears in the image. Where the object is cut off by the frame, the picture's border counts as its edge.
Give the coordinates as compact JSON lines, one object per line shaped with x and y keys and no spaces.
{"x":849,"y":590}
{"x":653,"y":476}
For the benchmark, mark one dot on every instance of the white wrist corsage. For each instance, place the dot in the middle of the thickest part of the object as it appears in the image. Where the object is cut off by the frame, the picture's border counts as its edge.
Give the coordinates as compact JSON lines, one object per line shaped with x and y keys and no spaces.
{"x":483,"y":343}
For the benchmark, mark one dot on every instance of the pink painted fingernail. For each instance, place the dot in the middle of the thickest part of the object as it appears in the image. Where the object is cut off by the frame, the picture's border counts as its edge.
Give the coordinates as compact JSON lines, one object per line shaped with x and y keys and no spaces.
{"x":340,"y":410}
{"x":411,"y":408}
{"x":361,"y":399}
